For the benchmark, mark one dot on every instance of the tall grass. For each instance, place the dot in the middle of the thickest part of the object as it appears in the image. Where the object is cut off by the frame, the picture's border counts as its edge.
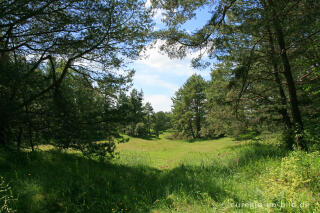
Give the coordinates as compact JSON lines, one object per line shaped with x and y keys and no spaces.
{"x":199,"y":177}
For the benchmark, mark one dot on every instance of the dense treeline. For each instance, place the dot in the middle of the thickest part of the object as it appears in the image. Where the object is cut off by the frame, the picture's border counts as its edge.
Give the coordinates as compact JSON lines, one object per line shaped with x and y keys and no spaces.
{"x":139,"y":119}
{"x":267,"y":73}
{"x":64,"y":80}
{"x":60,"y":64}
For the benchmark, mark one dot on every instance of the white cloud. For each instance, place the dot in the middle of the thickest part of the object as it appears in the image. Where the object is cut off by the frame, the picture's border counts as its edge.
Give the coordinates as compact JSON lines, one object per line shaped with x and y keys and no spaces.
{"x":159,"y":76}
{"x":157,"y":16}
{"x":154,"y":80}
{"x":159,"y":102}
{"x":161,"y":63}
{"x":148,"y":3}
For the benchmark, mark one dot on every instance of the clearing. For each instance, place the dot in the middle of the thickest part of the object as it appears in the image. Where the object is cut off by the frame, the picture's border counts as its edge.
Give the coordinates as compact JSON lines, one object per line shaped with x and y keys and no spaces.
{"x":155,"y":175}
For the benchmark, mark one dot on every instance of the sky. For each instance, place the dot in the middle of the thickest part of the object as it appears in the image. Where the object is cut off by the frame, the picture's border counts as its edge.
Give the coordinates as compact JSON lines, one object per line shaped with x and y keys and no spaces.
{"x":160,"y":77}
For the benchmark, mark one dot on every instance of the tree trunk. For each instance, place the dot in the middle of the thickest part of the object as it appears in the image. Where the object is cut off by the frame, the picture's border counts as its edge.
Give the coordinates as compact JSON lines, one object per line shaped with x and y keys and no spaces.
{"x":198,"y":125}
{"x":283,"y":98}
{"x":19,"y":138}
{"x":191,"y":129}
{"x":29,"y":128}
{"x":30,"y":138}
{"x":2,"y":138}
{"x":133,"y":129}
{"x":296,"y":115}
{"x":148,"y":126}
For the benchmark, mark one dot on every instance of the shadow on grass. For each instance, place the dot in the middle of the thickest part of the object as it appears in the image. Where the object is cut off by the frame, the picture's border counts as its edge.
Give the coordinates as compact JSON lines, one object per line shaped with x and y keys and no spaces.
{"x":193,"y":140}
{"x":249,"y":155}
{"x":147,"y":137}
{"x":52,"y":181}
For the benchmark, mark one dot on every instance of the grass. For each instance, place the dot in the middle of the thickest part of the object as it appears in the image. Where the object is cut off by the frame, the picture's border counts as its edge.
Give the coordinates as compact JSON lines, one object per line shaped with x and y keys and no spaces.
{"x":164,"y":153}
{"x":158,"y":175}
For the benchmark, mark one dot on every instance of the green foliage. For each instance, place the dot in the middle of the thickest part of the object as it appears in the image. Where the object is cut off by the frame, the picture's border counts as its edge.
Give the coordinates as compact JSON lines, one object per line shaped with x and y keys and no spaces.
{"x":76,"y":114}
{"x":293,"y":179}
{"x":267,"y":61}
{"x":222,"y":116}
{"x":102,"y":31}
{"x":287,"y":138}
{"x":189,"y":107}
{"x":59,"y":63}
{"x":148,"y":111}
{"x":161,"y":121}
{"x":249,"y":135}
{"x":313,"y":140}
{"x":164,"y":176}
{"x":141,"y":129}
{"x":131,"y":107}
{"x":139,"y":119}
{"x":6,"y":198}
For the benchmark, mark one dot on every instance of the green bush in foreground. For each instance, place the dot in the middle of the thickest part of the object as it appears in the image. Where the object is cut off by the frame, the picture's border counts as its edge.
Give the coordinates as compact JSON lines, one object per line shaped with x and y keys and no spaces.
{"x":6,"y":197}
{"x":295,"y":183}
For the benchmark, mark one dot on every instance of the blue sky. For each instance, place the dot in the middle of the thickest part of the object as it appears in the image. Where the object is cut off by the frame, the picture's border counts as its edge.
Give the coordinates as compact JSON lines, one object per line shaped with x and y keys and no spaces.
{"x":159,"y":76}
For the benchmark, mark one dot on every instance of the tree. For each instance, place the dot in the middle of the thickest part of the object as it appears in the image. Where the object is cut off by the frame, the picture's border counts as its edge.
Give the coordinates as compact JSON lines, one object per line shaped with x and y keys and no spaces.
{"x":141,"y":130}
{"x":137,"y":116}
{"x":67,"y":29}
{"x":135,"y":111}
{"x":148,"y":111}
{"x":161,"y":121}
{"x":75,"y":115}
{"x":221,"y":118}
{"x":59,"y":63}
{"x":263,"y":40}
{"x":188,"y":106}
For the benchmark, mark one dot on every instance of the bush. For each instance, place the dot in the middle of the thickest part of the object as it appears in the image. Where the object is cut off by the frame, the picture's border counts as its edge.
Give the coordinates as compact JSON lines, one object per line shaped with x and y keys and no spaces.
{"x":297,"y":180}
{"x":6,"y":197}
{"x":288,"y":139}
{"x":141,"y":129}
{"x":248,"y":135}
{"x":313,"y":140}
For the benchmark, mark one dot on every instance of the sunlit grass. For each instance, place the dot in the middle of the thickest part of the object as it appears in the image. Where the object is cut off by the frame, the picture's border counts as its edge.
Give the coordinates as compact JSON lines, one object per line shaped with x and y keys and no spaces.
{"x":164,"y":153}
{"x":158,"y":175}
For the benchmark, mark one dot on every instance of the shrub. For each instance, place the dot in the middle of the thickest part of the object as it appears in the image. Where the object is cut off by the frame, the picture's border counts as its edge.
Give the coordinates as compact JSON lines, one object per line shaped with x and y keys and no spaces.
{"x":6,"y":197}
{"x":296,"y":180}
{"x":313,"y":140}
{"x":141,"y":130}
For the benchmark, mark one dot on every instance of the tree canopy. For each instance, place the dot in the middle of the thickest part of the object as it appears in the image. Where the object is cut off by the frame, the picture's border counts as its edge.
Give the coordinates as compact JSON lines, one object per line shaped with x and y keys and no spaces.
{"x":63,"y":66}
{"x":65,"y":81}
{"x":269,"y":48}
{"x":189,"y":107}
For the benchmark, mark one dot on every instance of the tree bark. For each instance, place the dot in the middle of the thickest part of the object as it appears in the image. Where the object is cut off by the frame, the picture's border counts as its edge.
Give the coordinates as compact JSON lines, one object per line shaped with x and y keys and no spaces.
{"x":29,"y":128}
{"x":198,"y":124}
{"x":2,"y":138}
{"x":283,"y":98}
{"x":30,"y":138}
{"x":296,"y":115}
{"x":191,"y":129}
{"x":19,"y":138}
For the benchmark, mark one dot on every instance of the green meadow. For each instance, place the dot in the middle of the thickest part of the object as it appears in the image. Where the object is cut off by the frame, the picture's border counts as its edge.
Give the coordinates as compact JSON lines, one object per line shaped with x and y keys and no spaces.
{"x":164,"y":175}
{"x":166,"y":153}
